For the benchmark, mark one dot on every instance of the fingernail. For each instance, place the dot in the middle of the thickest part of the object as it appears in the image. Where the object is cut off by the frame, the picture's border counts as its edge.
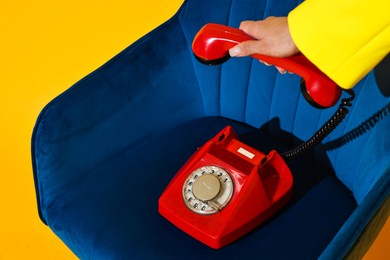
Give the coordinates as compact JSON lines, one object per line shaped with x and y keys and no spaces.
{"x":235,"y":51}
{"x":281,"y":70}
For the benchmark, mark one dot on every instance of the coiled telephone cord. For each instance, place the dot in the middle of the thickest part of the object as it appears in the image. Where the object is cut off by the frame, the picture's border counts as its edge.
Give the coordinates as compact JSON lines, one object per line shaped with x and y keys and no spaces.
{"x":324,"y":131}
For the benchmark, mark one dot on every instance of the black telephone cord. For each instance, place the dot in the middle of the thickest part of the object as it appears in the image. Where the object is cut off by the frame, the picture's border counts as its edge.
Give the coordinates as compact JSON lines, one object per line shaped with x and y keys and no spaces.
{"x":324,"y":131}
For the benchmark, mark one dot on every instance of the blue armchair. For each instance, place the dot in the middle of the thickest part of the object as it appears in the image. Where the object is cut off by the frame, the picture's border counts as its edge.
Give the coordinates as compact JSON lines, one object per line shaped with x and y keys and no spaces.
{"x":104,"y":150}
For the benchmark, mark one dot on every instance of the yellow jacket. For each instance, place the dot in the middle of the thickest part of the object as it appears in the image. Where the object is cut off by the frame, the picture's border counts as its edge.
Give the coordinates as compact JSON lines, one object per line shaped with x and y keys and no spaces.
{"x":344,"y":38}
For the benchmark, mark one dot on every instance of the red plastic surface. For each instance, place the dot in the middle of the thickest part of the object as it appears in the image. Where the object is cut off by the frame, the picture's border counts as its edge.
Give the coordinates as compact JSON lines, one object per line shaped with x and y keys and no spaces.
{"x":213,"y":42}
{"x":262,"y":185}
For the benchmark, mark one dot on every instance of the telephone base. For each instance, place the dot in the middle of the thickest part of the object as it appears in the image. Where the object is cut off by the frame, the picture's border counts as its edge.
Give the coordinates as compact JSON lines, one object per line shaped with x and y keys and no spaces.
{"x":225,"y":190}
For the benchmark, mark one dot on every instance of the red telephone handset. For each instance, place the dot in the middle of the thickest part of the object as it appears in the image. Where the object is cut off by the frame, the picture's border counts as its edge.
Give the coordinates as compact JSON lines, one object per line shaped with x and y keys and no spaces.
{"x":212,"y":43}
{"x":225,"y":190}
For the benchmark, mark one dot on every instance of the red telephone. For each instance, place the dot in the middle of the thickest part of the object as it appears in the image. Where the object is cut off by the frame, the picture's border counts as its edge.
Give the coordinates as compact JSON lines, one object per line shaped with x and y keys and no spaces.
{"x":225,"y":190}
{"x":212,"y":43}
{"x":228,"y":188}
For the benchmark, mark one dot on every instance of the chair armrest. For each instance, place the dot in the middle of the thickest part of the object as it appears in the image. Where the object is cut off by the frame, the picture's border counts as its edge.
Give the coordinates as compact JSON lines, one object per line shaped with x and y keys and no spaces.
{"x":359,"y":232}
{"x":148,"y":88}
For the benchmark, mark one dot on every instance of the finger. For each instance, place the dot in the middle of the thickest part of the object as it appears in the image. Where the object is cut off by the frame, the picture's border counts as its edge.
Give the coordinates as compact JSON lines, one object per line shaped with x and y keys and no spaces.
{"x":248,"y":48}
{"x":281,"y":70}
{"x":251,"y":28}
{"x":257,"y":29}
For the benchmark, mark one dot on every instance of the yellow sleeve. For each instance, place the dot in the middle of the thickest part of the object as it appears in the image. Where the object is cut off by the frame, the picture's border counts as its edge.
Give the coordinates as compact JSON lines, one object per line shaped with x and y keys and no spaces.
{"x":343,"y":38}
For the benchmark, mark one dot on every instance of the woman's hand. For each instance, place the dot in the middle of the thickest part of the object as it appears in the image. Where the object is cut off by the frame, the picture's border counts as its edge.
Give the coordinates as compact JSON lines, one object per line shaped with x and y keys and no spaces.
{"x":272,"y":38}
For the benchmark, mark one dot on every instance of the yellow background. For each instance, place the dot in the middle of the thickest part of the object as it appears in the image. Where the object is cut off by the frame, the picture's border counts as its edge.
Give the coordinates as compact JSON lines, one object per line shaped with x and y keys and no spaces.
{"x":45,"y":47}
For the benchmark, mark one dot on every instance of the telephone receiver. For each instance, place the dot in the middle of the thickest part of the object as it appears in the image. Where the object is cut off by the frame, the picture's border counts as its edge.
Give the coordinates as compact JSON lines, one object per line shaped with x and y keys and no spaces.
{"x":212,"y":43}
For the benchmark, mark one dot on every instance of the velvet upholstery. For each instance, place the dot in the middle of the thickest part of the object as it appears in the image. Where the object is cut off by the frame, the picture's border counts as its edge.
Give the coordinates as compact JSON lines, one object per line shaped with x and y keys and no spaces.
{"x":104,"y":150}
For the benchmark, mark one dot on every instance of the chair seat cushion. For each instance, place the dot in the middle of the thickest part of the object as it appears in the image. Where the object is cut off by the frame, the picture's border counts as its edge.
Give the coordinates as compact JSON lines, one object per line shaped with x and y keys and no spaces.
{"x":111,"y":211}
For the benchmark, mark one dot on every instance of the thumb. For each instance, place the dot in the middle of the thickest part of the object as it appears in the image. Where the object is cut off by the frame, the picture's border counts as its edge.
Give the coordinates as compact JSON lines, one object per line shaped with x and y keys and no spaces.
{"x":248,"y":48}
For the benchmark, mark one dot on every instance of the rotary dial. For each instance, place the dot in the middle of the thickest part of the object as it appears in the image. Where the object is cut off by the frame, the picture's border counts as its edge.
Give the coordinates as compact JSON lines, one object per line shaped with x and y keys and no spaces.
{"x":207,"y":190}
